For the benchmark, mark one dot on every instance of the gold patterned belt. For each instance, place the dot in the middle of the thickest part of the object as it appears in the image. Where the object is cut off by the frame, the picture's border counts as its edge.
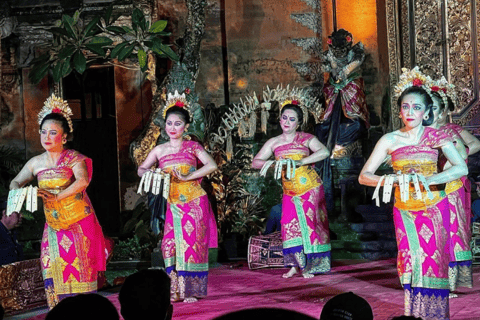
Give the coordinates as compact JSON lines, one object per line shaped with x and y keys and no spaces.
{"x":61,"y":214}
{"x":426,"y":169}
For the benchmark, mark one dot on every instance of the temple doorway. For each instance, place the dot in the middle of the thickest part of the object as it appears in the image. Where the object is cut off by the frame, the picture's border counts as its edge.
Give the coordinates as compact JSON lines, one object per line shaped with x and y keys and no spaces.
{"x":95,"y":136}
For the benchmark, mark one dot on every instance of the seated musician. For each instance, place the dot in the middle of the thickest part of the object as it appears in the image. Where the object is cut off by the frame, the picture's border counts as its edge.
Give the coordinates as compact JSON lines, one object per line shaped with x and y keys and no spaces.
{"x":10,"y":250}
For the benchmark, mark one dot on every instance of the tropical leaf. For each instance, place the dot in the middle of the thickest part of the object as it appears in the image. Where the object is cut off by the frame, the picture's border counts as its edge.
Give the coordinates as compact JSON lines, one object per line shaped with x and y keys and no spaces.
{"x":38,"y":73}
{"x":125,"y":52}
{"x":116,"y":29}
{"x":104,"y":41}
{"x":66,"y":52}
{"x":92,"y":27}
{"x":96,"y":48}
{"x":108,"y":14}
{"x":118,"y":48}
{"x":142,"y":59}
{"x":127,"y":29}
{"x":168,"y":52}
{"x":68,"y":19}
{"x":43,"y":58}
{"x":138,"y":20}
{"x":67,"y":23}
{"x":57,"y":71}
{"x":11,"y":159}
{"x":76,"y":17}
{"x":67,"y":68}
{"x":158,"y":26}
{"x":79,"y":62}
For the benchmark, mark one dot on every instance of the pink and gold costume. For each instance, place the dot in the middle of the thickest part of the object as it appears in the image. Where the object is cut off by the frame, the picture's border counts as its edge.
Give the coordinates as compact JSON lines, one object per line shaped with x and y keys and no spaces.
{"x":458,"y":192}
{"x":190,"y":227}
{"x":305,"y":235}
{"x":421,"y":227}
{"x":73,"y":245}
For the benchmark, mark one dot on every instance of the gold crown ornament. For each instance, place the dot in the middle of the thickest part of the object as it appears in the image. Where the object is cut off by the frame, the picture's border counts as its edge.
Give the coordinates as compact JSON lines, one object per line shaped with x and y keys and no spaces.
{"x":446,"y":89}
{"x":294,"y":96}
{"x":412,"y":78}
{"x":56,"y":104}
{"x":176,"y":100}
{"x":438,"y":86}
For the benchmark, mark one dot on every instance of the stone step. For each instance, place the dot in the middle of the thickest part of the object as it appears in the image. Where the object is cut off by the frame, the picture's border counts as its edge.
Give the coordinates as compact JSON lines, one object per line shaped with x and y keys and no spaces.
{"x":359,"y":246}
{"x":338,"y":254}
{"x":373,"y":227}
{"x":375,"y":214}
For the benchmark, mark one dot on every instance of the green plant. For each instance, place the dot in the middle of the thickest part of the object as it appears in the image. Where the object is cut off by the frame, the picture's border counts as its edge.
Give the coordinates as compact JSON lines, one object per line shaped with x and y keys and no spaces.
{"x":139,"y":225}
{"x":131,"y":249}
{"x":11,"y":160}
{"x":238,"y":191}
{"x":77,"y":45}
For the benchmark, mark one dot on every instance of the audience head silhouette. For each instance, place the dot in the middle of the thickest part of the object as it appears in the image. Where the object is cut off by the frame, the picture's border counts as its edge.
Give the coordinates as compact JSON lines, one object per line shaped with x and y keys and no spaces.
{"x":264,"y":313}
{"x":146,"y":295}
{"x":89,"y":306}
{"x":347,"y":306}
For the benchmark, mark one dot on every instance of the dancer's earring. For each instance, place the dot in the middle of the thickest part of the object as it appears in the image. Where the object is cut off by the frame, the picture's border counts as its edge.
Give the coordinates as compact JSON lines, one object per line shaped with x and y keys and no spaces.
{"x":426,"y":117}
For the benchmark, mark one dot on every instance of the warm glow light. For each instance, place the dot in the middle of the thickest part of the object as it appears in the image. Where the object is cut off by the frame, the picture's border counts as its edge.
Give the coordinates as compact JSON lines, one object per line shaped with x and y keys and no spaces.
{"x":357,"y":16}
{"x":242,"y":83}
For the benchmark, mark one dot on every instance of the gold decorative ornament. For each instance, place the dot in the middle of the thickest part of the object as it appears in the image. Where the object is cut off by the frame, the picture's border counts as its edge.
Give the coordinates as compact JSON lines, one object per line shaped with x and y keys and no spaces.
{"x":55,"y":104}
{"x":235,"y":116}
{"x":412,"y":78}
{"x":176,"y":100}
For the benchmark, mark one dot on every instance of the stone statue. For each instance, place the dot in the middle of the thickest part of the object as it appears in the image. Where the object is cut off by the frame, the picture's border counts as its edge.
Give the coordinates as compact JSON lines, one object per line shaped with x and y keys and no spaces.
{"x":345,"y":118}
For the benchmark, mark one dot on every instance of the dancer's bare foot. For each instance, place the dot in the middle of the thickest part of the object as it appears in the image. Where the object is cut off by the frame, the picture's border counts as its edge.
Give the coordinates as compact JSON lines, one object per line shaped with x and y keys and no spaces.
{"x":290,"y":273}
{"x":190,"y":300}
{"x":307,"y":275}
{"x":452,"y":295}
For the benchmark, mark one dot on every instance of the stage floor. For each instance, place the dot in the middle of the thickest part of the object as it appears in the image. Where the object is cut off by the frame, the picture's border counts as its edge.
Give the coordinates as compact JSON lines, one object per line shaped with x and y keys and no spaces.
{"x":233,"y":286}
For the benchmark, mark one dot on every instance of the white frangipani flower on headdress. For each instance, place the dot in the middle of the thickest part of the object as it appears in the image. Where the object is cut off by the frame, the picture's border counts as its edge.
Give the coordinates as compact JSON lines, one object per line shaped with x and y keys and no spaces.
{"x":176,"y":100}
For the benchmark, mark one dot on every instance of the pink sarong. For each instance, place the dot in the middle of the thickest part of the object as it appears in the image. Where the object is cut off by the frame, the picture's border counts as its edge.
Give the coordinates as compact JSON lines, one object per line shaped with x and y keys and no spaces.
{"x":422,"y":232}
{"x":73,"y":246}
{"x":190,"y":227}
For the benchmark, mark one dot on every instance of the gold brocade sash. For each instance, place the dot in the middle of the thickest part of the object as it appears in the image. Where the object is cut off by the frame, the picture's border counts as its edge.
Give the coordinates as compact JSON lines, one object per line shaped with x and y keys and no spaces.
{"x":415,"y":204}
{"x":409,"y":166}
{"x":425,"y":168}
{"x":183,"y":191}
{"x":305,"y":179}
{"x":63,"y":213}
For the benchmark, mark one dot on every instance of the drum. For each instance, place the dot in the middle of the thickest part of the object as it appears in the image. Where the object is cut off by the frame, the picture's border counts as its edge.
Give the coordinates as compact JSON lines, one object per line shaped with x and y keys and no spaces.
{"x":265,"y":251}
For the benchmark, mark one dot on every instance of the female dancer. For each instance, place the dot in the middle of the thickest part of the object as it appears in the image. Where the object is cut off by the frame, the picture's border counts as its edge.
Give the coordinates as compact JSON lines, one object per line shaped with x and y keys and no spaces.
{"x":73,"y":245}
{"x":458,"y":191}
{"x":306,"y":240}
{"x":421,"y":224}
{"x":190,"y":227}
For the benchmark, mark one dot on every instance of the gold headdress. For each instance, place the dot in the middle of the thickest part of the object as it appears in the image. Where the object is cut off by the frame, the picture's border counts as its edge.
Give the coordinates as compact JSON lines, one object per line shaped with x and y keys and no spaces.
{"x":176,"y":100}
{"x":412,"y":78}
{"x":55,"y":104}
{"x":445,"y":90}
{"x":295,"y":96}
{"x":439,"y":87}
